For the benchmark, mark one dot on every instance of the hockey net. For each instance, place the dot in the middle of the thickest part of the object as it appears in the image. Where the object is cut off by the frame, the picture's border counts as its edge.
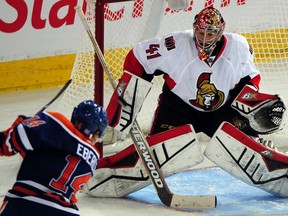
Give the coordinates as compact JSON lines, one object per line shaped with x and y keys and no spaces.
{"x":263,"y":22}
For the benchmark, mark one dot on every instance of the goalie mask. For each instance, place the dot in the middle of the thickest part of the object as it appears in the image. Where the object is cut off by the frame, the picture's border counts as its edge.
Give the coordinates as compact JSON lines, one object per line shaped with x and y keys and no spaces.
{"x":208,"y":29}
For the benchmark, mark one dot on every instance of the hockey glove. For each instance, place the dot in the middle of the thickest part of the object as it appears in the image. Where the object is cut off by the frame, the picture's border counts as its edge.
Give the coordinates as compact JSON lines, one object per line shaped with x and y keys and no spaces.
{"x":263,"y":111}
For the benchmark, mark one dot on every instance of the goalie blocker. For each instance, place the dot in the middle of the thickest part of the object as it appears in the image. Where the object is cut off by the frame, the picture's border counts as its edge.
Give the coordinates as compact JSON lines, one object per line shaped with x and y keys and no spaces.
{"x":248,"y":160}
{"x":126,"y":101}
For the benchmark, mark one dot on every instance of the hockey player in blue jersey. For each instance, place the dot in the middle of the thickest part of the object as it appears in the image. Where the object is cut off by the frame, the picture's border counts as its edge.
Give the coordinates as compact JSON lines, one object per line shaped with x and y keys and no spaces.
{"x":59,"y":157}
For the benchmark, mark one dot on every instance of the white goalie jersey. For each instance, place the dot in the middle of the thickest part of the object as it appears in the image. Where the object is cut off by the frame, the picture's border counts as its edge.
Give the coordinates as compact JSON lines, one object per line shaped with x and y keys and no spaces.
{"x":202,"y":85}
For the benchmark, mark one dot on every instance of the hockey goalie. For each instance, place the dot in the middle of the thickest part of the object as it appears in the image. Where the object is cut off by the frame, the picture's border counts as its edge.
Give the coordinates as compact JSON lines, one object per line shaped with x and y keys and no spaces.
{"x":211,"y":85}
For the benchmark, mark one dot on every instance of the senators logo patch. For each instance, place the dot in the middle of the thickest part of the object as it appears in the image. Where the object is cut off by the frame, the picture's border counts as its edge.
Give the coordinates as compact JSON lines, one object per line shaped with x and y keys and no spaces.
{"x":208,"y":96}
{"x":170,"y":43}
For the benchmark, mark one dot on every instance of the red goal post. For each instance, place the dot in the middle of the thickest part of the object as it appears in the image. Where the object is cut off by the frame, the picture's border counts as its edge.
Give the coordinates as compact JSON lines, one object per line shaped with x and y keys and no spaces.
{"x":119,"y":25}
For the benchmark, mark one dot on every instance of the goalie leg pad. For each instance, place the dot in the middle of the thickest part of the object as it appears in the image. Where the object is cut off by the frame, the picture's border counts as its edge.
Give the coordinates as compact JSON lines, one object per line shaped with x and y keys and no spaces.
{"x":175,"y":150}
{"x":127,"y":101}
{"x":248,"y":160}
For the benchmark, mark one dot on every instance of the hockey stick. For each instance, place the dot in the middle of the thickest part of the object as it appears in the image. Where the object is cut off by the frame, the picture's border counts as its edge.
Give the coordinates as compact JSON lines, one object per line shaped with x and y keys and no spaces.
{"x":56,"y":96}
{"x":49,"y":103}
{"x":142,"y":147}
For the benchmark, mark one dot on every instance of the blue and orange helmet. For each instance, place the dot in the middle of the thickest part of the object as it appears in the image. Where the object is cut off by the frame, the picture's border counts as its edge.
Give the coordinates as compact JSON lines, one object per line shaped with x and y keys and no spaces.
{"x":88,"y":117}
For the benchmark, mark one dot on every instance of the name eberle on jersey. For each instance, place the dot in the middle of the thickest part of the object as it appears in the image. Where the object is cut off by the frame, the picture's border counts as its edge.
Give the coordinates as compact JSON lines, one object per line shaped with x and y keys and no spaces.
{"x":88,"y":155}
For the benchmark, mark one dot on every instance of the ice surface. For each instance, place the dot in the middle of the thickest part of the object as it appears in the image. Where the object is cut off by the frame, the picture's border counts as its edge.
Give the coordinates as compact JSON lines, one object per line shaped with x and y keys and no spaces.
{"x":234,"y":197}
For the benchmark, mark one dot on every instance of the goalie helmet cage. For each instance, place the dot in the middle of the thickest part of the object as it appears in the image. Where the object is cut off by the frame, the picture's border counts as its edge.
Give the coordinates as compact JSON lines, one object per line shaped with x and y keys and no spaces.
{"x":120,"y":25}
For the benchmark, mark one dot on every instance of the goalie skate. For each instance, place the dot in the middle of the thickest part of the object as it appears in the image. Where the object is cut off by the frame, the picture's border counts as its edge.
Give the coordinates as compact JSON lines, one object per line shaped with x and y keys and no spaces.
{"x":248,"y":160}
{"x":175,"y":150}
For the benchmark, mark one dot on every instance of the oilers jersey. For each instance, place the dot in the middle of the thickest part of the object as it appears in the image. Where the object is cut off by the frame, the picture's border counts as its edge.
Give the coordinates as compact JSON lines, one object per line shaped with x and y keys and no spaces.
{"x":57,"y":160}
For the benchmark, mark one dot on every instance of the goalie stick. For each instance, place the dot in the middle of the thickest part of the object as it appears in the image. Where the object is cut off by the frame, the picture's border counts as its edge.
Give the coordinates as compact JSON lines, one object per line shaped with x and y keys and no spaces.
{"x":166,"y":196}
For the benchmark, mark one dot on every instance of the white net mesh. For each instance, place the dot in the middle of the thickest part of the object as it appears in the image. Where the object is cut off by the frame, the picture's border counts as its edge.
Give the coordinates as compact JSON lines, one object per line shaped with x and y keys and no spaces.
{"x":263,"y":22}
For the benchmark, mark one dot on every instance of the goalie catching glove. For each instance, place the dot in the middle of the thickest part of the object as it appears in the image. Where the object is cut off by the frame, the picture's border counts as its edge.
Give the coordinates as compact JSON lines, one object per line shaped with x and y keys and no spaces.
{"x":263,"y":112}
